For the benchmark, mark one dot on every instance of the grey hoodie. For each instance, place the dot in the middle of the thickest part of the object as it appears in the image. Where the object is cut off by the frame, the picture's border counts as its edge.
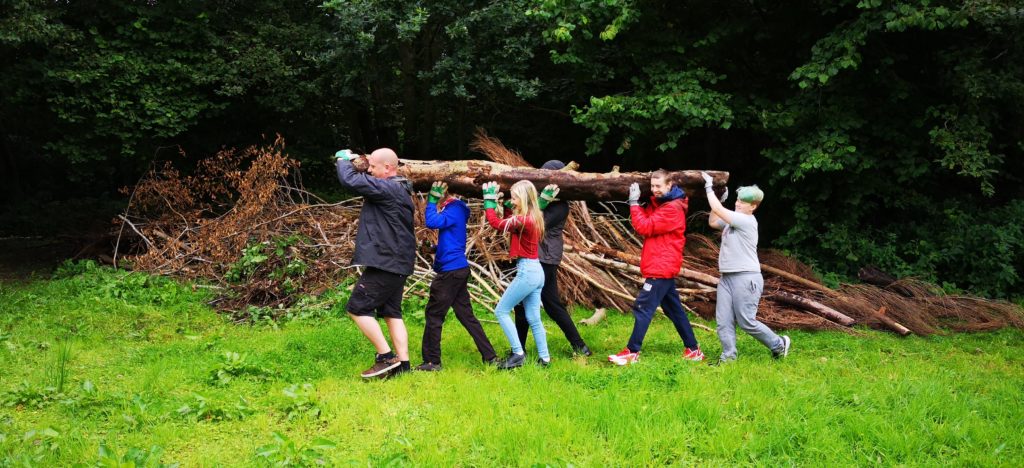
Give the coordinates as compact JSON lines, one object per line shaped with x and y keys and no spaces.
{"x":385,"y":239}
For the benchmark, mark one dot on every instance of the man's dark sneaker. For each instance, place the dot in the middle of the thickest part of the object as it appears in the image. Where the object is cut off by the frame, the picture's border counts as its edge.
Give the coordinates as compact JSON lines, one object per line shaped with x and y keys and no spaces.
{"x":381,"y":367}
{"x":786,"y":342}
{"x":428,"y":367}
{"x":494,"y":361}
{"x":584,"y":350}
{"x":541,"y":362}
{"x":513,"y":361}
{"x":403,"y":368}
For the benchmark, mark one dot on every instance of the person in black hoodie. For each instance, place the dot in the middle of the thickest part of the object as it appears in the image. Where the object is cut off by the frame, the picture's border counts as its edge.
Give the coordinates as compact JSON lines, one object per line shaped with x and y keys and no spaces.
{"x":555,"y":214}
{"x":386,"y":247}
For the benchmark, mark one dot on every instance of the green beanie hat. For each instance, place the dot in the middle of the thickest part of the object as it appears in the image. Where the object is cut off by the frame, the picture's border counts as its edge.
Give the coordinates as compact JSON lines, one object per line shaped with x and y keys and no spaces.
{"x":751,"y":194}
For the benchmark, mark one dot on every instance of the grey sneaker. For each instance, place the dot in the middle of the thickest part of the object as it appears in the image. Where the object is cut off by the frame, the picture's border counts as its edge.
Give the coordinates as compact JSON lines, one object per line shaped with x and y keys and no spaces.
{"x":541,"y":362}
{"x":381,"y":367}
{"x":428,"y":367}
{"x":513,"y":361}
{"x":719,"y":362}
{"x":786,"y":342}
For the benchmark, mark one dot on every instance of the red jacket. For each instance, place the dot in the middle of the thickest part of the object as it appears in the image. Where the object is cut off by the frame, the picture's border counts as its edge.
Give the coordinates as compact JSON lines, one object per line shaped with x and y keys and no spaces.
{"x":663,"y":226}
{"x":525,"y":238}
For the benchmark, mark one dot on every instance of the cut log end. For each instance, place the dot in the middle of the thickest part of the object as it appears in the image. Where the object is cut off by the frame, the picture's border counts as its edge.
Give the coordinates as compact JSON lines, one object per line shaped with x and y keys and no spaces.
{"x":599,"y":315}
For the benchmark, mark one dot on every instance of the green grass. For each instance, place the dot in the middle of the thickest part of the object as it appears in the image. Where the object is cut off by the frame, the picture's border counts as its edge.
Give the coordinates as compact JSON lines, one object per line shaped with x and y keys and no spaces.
{"x":140,"y":349}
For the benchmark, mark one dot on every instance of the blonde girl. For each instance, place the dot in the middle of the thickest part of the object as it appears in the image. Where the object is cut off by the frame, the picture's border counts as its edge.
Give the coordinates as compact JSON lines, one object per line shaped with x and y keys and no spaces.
{"x":524,"y":222}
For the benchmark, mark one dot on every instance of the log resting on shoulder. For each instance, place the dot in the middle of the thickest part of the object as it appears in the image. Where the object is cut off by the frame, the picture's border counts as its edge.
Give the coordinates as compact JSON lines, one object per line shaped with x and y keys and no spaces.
{"x":466,"y":178}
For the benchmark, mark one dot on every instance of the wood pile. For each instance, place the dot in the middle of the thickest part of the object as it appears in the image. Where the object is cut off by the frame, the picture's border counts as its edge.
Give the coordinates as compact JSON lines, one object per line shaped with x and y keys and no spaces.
{"x":244,"y":225}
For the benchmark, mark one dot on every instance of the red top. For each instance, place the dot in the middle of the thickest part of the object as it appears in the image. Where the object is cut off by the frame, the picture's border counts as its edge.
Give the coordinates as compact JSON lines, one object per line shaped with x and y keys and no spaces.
{"x":524,"y":235}
{"x":663,"y":226}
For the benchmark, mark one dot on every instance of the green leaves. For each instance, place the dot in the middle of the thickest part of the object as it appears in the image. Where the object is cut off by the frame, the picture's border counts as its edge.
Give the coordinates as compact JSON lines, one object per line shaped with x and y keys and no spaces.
{"x":202,"y":409}
{"x":284,"y":451}
{"x":666,"y":104}
{"x":235,"y":365}
{"x":963,"y":143}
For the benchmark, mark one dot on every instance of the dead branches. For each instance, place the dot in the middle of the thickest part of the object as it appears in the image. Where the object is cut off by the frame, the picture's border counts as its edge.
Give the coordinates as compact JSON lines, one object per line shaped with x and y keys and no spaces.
{"x":242,"y":225}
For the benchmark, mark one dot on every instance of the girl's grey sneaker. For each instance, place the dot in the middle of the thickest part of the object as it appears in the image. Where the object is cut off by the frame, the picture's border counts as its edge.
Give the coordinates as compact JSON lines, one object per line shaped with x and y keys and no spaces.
{"x":786,"y":342}
{"x":513,"y":361}
{"x":543,"y":363}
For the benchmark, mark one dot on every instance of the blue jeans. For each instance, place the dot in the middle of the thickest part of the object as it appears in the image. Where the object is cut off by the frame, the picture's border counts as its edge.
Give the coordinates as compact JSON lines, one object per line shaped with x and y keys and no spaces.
{"x":655,"y":292}
{"x":525,"y":288}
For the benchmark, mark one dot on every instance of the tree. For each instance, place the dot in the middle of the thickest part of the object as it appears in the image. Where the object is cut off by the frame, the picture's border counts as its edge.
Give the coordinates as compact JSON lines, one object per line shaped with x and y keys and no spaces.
{"x":876,"y":125}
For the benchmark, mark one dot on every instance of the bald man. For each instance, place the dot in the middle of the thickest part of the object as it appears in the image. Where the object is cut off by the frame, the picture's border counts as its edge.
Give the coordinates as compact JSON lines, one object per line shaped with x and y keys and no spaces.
{"x":386,"y":247}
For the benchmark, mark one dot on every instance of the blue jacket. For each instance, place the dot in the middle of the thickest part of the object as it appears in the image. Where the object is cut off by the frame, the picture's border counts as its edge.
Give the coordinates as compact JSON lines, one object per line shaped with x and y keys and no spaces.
{"x":451,"y":236}
{"x":385,"y":239}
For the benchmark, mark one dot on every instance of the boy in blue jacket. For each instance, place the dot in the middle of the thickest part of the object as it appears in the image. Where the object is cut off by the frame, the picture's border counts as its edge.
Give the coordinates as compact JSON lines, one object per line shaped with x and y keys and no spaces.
{"x":449,"y":216}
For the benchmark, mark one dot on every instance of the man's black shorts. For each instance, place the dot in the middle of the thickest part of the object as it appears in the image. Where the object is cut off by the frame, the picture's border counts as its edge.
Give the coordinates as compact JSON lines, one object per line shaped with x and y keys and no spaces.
{"x":377,"y":292}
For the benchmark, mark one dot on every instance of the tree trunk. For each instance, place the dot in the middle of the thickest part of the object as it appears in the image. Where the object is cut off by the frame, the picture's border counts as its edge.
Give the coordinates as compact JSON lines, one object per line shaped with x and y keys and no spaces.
{"x":892,"y":324}
{"x":812,"y":306}
{"x":466,"y":177}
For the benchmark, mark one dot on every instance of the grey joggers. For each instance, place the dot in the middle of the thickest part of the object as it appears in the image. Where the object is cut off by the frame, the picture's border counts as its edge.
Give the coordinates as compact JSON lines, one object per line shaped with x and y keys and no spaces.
{"x":736,"y":304}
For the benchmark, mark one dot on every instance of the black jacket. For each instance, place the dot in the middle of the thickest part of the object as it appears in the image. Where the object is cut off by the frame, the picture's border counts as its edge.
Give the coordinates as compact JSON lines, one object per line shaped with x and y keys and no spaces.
{"x":554,"y":223}
{"x":385,"y":239}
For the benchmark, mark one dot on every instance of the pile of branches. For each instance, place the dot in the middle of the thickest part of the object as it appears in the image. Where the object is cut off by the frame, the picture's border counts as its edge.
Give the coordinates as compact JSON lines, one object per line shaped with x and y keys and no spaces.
{"x":244,"y":225}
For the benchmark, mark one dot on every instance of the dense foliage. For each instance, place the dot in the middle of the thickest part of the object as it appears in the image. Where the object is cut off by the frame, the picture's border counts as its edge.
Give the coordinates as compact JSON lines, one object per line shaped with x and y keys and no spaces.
{"x":884,"y":132}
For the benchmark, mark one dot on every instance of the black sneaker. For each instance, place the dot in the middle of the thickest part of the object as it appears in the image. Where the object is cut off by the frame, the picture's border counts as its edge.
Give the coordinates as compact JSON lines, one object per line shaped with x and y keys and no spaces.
{"x":398,"y":371}
{"x":381,"y":367}
{"x":541,"y":362}
{"x":494,"y":361}
{"x":584,"y":350}
{"x":786,"y":342}
{"x":428,"y":367}
{"x":513,"y":361}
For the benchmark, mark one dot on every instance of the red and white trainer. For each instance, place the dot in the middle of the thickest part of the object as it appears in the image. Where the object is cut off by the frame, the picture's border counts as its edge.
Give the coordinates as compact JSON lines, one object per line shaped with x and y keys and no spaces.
{"x":624,"y":357}
{"x":693,"y":354}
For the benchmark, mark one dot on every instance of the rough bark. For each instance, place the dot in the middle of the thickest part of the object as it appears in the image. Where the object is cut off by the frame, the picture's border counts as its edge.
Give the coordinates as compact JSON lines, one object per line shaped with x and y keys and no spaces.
{"x":812,"y":306}
{"x":892,"y":324}
{"x":466,"y":178}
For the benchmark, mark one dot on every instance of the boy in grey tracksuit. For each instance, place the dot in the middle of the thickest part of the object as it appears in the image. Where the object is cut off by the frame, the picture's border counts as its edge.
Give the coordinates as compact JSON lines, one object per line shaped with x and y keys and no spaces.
{"x":741,"y":284}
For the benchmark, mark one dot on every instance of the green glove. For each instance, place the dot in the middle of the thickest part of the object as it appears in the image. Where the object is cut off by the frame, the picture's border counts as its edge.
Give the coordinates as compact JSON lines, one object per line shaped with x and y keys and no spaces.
{"x":437,"y":191}
{"x":547,"y":195}
{"x":490,"y":195}
{"x":345,"y":154}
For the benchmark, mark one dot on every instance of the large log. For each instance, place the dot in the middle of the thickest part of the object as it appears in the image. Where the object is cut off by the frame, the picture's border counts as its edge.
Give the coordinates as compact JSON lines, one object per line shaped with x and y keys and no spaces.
{"x":812,"y":306}
{"x":466,"y":178}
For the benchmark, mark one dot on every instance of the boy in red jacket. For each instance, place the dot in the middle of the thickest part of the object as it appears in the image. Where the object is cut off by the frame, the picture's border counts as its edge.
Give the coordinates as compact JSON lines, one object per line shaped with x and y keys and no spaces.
{"x":662,"y":223}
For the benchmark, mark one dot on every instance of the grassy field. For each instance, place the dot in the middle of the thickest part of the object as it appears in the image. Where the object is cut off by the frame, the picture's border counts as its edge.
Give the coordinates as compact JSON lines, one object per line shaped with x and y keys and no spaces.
{"x":98,"y":366}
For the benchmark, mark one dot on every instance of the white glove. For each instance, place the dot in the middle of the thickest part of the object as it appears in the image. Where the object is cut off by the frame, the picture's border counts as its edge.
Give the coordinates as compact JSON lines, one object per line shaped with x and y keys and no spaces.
{"x":634,"y":194}
{"x":707,"y":180}
{"x":725,"y":195}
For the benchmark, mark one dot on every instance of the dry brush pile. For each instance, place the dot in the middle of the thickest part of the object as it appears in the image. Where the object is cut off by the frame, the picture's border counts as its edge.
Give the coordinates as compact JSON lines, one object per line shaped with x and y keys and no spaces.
{"x":244,"y":225}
